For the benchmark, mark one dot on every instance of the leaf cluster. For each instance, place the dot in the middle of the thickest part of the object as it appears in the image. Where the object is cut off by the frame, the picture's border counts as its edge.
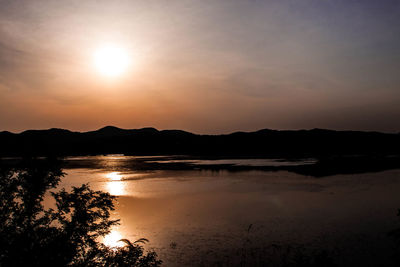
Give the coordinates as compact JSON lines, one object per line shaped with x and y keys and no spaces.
{"x":66,"y":235}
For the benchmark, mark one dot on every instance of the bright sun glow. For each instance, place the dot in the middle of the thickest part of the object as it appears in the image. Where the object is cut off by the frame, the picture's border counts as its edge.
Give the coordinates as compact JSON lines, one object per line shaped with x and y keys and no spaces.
{"x":112,"y":239}
{"x":111,"y":60}
{"x":115,"y":176}
{"x":116,"y":186}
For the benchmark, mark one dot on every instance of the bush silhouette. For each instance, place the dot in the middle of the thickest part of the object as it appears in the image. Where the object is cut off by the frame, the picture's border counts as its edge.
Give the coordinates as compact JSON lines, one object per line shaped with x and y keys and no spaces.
{"x":66,"y":235}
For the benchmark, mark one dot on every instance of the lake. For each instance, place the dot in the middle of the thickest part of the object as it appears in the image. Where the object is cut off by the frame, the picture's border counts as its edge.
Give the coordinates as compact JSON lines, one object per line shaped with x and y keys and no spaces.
{"x":202,"y":216}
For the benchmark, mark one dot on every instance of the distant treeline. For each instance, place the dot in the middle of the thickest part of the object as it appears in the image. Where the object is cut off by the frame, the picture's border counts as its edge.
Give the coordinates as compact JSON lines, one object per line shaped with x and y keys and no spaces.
{"x":149,"y":141}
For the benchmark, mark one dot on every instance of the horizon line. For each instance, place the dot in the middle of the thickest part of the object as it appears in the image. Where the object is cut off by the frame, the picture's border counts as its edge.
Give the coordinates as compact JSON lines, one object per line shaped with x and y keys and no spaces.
{"x":174,"y":129}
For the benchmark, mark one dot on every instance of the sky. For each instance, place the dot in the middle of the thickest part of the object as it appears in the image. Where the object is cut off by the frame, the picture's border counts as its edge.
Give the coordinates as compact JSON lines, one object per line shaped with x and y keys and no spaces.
{"x":208,"y":66}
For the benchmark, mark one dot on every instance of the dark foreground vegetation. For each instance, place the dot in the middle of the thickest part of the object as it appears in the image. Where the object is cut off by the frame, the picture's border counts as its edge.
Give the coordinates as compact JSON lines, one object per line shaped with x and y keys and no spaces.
{"x":66,"y":235}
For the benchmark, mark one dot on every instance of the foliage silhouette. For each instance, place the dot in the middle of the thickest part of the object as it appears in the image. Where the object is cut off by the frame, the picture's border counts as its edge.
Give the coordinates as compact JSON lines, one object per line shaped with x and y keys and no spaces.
{"x":66,"y":235}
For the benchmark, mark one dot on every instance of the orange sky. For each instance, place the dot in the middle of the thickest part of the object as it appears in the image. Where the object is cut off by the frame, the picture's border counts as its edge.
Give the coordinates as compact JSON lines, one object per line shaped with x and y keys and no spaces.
{"x":201,"y":66}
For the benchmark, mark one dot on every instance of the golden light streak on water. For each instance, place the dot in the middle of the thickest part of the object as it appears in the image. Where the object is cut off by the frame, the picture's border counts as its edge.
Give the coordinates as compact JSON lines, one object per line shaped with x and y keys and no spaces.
{"x":115,"y":176}
{"x":112,"y":239}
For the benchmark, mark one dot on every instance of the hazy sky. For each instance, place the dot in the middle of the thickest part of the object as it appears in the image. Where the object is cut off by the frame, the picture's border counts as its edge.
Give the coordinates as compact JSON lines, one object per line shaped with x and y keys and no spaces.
{"x":204,"y":66}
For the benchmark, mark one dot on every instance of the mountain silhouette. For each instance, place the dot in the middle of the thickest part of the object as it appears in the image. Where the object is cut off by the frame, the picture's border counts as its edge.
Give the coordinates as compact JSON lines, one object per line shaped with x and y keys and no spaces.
{"x":262,"y":143}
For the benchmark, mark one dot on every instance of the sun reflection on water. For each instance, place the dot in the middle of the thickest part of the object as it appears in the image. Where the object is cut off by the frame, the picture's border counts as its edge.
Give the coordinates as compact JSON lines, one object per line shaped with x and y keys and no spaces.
{"x":112,"y":239}
{"x":116,"y":186}
{"x":115,"y":176}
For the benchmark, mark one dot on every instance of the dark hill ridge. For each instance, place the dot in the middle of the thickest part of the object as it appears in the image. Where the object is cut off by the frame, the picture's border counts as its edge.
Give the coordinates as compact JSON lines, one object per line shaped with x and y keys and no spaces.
{"x":262,"y":143}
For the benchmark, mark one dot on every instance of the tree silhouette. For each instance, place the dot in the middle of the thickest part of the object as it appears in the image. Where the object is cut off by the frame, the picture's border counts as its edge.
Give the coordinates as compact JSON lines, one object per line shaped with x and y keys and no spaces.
{"x":66,"y":235}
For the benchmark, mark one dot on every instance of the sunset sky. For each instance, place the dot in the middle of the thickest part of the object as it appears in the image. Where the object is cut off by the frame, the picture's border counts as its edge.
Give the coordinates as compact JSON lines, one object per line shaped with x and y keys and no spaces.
{"x":208,"y":66}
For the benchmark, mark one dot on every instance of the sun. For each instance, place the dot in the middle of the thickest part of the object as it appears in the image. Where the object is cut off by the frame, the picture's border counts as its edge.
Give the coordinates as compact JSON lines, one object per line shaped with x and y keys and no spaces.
{"x":111,"y":60}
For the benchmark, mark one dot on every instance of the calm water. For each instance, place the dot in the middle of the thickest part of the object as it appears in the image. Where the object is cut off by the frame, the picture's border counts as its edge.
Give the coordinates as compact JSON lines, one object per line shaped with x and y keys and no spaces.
{"x":199,"y":217}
